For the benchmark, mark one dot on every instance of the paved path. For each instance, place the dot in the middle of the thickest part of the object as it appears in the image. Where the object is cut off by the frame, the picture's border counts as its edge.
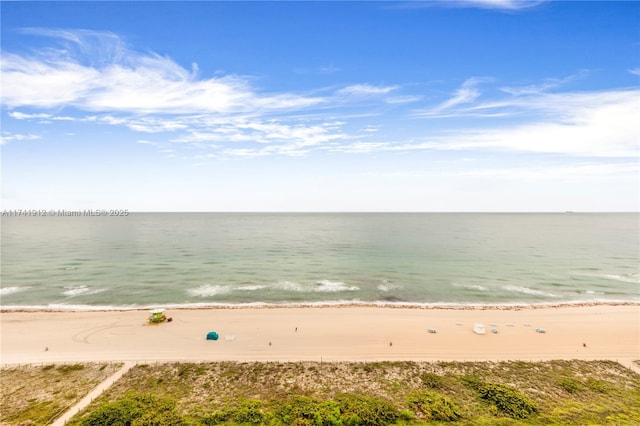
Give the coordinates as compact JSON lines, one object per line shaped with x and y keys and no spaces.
{"x":630,"y":364}
{"x":62,"y":420}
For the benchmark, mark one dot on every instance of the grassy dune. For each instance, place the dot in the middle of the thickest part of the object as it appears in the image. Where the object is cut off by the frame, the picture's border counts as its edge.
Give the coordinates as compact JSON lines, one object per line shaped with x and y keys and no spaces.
{"x":36,"y":395}
{"x":504,"y":393}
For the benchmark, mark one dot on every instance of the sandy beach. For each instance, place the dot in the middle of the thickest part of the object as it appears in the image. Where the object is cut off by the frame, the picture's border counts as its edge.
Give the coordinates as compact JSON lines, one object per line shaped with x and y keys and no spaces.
{"x":324,"y":333}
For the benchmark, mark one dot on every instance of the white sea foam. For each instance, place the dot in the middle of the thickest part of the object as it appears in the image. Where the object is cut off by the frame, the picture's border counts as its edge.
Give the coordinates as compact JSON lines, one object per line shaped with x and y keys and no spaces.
{"x":250,"y":287}
{"x":322,"y":286}
{"x":624,"y":278}
{"x":65,"y":307}
{"x":208,"y":290}
{"x":527,"y":290}
{"x":75,"y":291}
{"x":288,"y":286}
{"x":326,"y":286}
{"x":81,"y":290}
{"x":331,"y":303}
{"x":471,"y":286}
{"x":387,"y":286}
{"x":4,"y":291}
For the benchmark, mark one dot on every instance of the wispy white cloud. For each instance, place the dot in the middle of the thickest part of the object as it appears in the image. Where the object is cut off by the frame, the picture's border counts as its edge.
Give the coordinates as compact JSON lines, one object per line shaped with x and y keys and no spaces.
{"x":591,"y":124}
{"x":227,"y":116}
{"x":501,"y":5}
{"x":598,"y":124}
{"x":44,"y":82}
{"x":23,"y":116}
{"x":635,"y":71}
{"x":10,"y":137}
{"x":276,"y":137}
{"x":127,"y":81}
{"x":327,"y":69}
{"x":365,"y":90}
{"x":95,"y":48}
{"x":403,"y":99}
{"x":362,"y":147}
{"x":544,"y":86}
{"x":465,"y":94}
{"x":42,"y":117}
{"x":497,"y":4}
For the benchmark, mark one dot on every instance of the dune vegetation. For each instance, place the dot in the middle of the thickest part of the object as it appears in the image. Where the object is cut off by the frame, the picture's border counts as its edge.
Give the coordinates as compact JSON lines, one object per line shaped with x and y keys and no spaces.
{"x":38,"y":394}
{"x":377,"y":393}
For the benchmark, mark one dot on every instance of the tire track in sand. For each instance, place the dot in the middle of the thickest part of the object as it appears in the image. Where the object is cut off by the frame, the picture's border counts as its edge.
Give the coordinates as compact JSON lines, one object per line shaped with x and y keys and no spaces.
{"x":83,"y":336}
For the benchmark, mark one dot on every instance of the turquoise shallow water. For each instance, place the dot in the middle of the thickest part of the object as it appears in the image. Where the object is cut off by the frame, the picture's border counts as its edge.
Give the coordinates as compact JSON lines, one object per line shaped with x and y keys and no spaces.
{"x":195,"y":259}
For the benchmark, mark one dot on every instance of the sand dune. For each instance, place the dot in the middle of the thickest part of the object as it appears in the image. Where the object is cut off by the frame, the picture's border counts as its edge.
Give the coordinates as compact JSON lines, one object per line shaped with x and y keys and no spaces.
{"x":324,"y":333}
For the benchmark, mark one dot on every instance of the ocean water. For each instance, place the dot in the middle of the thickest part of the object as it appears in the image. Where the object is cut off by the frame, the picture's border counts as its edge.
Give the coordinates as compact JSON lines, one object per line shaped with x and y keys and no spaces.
{"x":211,"y":259}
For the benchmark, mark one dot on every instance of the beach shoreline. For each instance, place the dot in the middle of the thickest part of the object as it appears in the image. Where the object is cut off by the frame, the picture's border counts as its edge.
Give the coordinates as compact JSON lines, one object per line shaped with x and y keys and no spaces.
{"x":329,"y":333}
{"x":319,"y":305}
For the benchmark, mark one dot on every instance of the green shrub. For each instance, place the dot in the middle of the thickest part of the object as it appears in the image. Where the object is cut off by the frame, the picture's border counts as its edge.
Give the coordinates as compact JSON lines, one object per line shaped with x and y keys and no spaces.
{"x":362,"y":410}
{"x":601,"y":386}
{"x":507,"y":400}
{"x":432,"y":381}
{"x":472,"y":381}
{"x":302,"y":410}
{"x":347,"y":409}
{"x":216,"y":418}
{"x":136,"y":410}
{"x":433,"y":406}
{"x":406,"y":416}
{"x":64,"y":369}
{"x":168,"y":418}
{"x":248,"y":411}
{"x":571,"y":385}
{"x":503,"y":399}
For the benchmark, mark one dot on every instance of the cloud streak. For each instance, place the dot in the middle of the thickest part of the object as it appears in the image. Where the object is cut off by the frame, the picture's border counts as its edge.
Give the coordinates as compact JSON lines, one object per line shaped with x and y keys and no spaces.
{"x":366,"y":90}
{"x":9,"y":137}
{"x":127,"y":81}
{"x":591,"y":124}
{"x":500,"y":5}
{"x":466,"y":93}
{"x":226,"y":117}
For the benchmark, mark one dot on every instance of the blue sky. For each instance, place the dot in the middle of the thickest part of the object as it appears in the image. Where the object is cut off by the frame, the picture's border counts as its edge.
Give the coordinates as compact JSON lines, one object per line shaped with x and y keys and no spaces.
{"x":491,"y":105}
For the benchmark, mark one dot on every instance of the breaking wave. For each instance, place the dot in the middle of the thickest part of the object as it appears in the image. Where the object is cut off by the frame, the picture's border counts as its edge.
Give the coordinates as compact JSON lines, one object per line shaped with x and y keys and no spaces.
{"x":529,"y":291}
{"x":387,"y":286}
{"x":472,"y":286}
{"x":208,"y":290}
{"x":326,"y":286}
{"x":4,"y":291}
{"x":323,"y":286}
{"x":81,"y":290}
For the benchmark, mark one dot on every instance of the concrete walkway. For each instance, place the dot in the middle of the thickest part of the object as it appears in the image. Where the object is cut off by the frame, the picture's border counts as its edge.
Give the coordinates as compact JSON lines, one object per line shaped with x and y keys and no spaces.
{"x":630,"y":364}
{"x":62,"y":420}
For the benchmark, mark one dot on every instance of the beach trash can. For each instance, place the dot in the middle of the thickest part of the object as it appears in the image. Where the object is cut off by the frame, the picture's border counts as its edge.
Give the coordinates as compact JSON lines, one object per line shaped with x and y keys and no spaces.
{"x":212,"y":335}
